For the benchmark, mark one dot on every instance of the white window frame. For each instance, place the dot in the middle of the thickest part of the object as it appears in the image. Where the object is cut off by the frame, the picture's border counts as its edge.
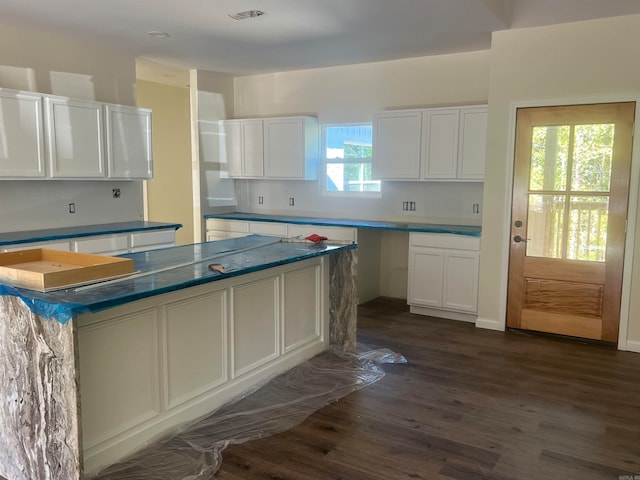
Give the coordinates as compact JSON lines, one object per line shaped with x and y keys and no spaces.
{"x":325,"y":161}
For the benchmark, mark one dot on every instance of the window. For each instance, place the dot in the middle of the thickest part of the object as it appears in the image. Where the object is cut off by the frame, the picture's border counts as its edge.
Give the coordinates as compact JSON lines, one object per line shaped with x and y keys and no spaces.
{"x":347,"y":158}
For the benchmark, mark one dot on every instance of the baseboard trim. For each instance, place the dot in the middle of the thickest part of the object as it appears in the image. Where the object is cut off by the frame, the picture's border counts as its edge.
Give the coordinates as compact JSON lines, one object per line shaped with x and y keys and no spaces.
{"x":489,"y":324}
{"x":435,"y":312}
{"x":633,"y":346}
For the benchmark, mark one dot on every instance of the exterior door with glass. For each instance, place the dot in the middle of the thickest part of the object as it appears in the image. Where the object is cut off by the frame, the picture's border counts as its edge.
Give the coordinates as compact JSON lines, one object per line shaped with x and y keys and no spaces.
{"x":570,"y":195}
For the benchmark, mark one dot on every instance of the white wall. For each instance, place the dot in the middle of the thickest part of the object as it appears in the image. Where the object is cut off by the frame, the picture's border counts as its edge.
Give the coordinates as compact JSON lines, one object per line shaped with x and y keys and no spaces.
{"x":354,"y":93}
{"x":213,"y":191}
{"x":577,"y":62}
{"x":41,"y":62}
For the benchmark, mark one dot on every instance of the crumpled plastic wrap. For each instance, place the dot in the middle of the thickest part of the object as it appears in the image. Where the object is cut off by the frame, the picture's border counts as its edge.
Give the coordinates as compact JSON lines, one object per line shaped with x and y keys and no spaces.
{"x":194,"y":452}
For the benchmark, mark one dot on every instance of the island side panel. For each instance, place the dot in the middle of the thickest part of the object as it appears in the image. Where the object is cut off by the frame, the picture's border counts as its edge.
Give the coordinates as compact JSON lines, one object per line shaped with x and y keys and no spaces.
{"x":343,"y":298}
{"x":39,"y":408}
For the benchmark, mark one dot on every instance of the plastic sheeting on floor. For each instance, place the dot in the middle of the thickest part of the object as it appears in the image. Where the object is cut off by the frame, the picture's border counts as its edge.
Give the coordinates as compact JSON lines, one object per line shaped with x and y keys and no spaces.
{"x":195,"y":452}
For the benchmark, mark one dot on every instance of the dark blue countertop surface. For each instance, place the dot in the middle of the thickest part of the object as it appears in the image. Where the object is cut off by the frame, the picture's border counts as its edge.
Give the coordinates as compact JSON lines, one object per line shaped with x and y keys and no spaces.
{"x":50,"y":234}
{"x":472,"y":231}
{"x":170,"y":269}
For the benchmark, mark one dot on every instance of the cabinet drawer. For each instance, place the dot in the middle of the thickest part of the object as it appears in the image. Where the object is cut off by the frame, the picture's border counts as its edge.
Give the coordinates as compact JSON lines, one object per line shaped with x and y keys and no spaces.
{"x":438,"y":240}
{"x":144,"y":239}
{"x":213,"y":235}
{"x":268,"y":228}
{"x":28,"y":246}
{"x":227,"y":225}
{"x":112,"y":245}
{"x":332,"y":233}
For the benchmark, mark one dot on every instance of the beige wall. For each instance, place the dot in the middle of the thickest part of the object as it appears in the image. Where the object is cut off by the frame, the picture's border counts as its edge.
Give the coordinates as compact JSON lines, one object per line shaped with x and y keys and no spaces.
{"x":169,"y":193}
{"x":581,"y":62}
{"x":353,"y":93}
{"x":41,"y":62}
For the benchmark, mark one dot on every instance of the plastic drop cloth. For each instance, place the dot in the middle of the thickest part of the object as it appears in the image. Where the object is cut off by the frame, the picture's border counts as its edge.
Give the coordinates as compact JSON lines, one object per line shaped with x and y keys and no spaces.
{"x":194,"y":452}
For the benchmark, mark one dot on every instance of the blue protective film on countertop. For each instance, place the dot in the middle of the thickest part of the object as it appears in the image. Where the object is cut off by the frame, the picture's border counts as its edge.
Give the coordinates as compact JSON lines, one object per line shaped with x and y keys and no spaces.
{"x":49,"y":234}
{"x":468,"y":230}
{"x":166,"y":270}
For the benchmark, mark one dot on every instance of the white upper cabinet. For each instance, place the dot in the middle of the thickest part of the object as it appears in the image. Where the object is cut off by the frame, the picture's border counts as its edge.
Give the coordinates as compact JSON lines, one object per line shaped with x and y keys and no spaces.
{"x":128,"y":135}
{"x":252,"y":148}
{"x":75,"y":144}
{"x":440,"y":137}
{"x":52,"y":137}
{"x":432,"y":144}
{"x":473,"y":142}
{"x":21,"y":135}
{"x":291,"y":148}
{"x":285,"y":148}
{"x":244,"y":144}
{"x":396,"y":145}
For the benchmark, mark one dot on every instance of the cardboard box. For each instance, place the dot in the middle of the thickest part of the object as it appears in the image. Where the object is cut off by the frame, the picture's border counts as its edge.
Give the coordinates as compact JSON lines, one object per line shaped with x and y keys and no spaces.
{"x":44,"y":269}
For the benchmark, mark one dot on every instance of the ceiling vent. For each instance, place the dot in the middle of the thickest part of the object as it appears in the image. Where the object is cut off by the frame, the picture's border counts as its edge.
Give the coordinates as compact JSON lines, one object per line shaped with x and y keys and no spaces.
{"x":247,"y":14}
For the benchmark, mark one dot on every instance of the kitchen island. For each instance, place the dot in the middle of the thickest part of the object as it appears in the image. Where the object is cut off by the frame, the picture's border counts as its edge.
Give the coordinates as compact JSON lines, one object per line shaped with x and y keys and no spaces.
{"x":92,"y":373}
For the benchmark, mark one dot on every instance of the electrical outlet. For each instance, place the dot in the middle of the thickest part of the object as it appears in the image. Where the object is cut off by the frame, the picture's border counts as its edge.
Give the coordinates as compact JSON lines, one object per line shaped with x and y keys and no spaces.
{"x":72,"y":208}
{"x":260,"y":200}
{"x":476,"y":208}
{"x":408,"y":206}
{"x":292,"y":201}
{"x":116,"y":193}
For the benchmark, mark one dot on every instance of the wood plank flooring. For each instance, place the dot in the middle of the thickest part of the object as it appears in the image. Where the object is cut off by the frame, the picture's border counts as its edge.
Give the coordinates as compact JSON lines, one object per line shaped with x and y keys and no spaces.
{"x":471,"y":404}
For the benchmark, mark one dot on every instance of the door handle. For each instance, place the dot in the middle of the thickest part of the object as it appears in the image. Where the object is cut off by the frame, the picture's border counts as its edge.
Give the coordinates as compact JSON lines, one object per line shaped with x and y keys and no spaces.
{"x":519,"y":239}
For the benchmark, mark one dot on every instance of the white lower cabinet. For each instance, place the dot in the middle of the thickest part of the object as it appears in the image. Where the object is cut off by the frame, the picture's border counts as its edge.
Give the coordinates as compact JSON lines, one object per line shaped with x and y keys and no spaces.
{"x":114,"y":244}
{"x":443,"y":275}
{"x":103,"y":245}
{"x":220,"y":229}
{"x":57,"y":245}
{"x":153,"y":240}
{"x":150,"y":365}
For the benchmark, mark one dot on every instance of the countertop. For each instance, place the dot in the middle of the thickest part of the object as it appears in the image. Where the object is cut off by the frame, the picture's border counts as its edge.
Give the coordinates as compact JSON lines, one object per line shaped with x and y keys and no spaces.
{"x":472,"y":231}
{"x":50,"y":234}
{"x":170,"y":269}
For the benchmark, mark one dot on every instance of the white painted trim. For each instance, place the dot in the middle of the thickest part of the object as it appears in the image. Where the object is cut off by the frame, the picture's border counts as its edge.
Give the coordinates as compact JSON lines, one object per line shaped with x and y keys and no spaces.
{"x":631,"y":346}
{"x":439,"y":313}
{"x":634,"y":186}
{"x":632,"y":212}
{"x":489,"y":324}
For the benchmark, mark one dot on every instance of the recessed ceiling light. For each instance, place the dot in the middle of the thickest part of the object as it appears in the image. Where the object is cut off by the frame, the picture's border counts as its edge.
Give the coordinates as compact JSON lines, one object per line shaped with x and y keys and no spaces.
{"x":157,"y":34}
{"x":247,"y":14}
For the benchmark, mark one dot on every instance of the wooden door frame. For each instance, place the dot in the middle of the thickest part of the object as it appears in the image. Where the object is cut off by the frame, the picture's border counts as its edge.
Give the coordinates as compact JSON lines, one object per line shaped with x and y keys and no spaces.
{"x":632,"y":212}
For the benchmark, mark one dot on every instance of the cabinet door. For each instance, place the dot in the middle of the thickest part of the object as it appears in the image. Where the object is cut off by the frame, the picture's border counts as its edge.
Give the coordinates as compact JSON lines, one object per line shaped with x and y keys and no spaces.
{"x":129,"y":151}
{"x":255,"y":332}
{"x":396,"y":145}
{"x":252,"y":148}
{"x":283,"y":148}
{"x":461,"y":281}
{"x":473,"y":143}
{"x":74,"y":138}
{"x":21,"y":135}
{"x":440,"y":138}
{"x":425,"y":277}
{"x":233,"y":146}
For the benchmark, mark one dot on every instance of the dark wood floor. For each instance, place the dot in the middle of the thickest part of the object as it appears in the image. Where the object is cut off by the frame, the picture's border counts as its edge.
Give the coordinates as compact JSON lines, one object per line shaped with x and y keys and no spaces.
{"x":471,"y":404}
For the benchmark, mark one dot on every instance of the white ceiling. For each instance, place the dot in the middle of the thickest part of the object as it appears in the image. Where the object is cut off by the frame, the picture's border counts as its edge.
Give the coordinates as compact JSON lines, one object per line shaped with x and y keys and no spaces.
{"x":296,"y":34}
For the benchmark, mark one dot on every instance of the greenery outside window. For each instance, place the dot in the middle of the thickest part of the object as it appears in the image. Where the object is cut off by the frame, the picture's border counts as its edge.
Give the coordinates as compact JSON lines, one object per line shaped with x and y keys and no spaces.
{"x":347,"y":158}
